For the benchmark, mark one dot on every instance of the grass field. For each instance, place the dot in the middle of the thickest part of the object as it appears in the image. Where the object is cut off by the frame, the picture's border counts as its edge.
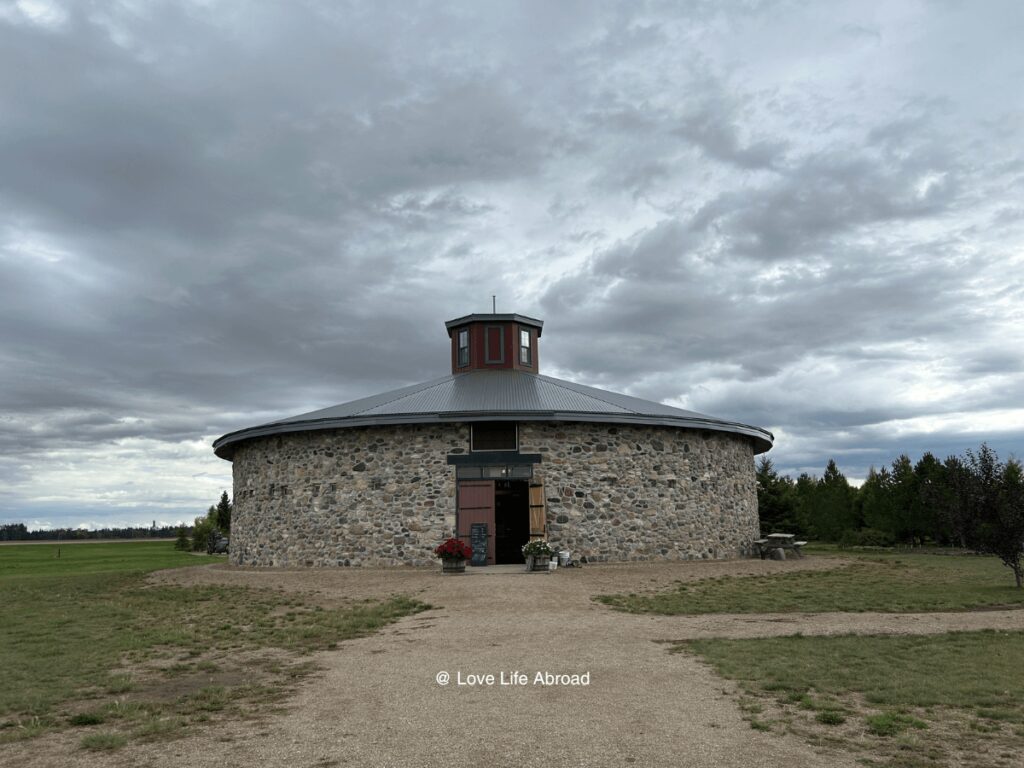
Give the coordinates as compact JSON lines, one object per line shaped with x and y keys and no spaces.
{"x":956,"y":698}
{"x":907,"y":701}
{"x":888,"y":582}
{"x":86,"y":643}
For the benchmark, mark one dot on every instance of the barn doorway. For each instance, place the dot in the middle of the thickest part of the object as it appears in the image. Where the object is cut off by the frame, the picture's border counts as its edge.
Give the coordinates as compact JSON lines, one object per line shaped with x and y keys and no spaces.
{"x":511,"y":520}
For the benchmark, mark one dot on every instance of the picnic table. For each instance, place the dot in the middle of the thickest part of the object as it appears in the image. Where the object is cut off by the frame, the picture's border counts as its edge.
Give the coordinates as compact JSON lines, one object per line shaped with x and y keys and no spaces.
{"x":779,"y":542}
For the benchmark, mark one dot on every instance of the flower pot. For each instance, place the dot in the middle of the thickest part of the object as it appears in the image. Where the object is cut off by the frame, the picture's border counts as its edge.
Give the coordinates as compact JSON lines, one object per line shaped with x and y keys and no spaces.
{"x":540,"y":562}
{"x":448,"y":565}
{"x":529,"y":562}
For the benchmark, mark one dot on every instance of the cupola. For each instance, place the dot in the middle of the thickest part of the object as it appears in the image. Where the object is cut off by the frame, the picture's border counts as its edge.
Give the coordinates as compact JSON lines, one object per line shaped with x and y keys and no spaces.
{"x":494,"y":342}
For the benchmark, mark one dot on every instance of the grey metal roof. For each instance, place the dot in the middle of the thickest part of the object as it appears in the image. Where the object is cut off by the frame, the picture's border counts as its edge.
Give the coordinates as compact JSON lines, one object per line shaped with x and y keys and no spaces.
{"x":494,"y":396}
{"x":521,"y":319}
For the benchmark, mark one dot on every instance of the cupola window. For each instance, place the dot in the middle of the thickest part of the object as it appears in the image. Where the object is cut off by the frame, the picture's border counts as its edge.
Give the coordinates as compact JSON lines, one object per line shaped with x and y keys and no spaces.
{"x":463,"y":347}
{"x":524,"y":347}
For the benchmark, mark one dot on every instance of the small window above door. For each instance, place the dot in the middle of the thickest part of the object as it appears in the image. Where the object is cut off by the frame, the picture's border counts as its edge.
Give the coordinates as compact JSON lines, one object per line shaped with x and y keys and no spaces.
{"x":494,"y":436}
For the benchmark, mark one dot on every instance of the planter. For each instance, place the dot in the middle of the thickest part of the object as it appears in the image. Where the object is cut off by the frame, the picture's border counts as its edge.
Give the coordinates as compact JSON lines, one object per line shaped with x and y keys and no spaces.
{"x":449,"y":565}
{"x":540,"y":563}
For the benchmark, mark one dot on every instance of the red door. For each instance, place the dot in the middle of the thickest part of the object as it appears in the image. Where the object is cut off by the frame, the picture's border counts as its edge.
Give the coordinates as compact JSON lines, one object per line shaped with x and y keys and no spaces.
{"x":476,"y":505}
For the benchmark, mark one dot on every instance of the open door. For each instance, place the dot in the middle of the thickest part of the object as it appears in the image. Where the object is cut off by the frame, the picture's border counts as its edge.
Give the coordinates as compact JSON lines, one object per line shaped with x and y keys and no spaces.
{"x":476,"y":505}
{"x":537,"y":512}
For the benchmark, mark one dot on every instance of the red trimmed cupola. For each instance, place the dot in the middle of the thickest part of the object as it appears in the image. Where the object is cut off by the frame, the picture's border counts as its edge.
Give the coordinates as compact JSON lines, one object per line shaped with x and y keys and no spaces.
{"x":494,"y":342}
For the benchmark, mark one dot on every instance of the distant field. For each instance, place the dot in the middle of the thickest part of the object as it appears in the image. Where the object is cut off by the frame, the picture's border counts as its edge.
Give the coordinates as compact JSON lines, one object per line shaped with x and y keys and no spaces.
{"x":62,"y":542}
{"x":86,"y":643}
{"x":893,"y":582}
{"x":38,"y":559}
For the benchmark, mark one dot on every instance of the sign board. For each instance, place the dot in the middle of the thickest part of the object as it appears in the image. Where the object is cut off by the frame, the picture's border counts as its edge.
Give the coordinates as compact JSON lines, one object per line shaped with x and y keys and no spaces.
{"x":478,"y":541}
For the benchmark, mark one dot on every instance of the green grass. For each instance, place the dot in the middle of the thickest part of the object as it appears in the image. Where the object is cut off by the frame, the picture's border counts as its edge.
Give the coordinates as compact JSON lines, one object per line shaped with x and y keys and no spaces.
{"x":87,"y":627}
{"x":959,"y":692}
{"x":80,"y":558}
{"x":981,"y":670}
{"x":892,"y":723}
{"x":888,"y":582}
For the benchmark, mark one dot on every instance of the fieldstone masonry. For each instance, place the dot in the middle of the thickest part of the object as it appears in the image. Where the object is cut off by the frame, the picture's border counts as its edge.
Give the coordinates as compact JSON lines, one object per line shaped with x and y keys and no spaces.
{"x":386,"y":495}
{"x":360,"y":496}
{"x":645,"y":493}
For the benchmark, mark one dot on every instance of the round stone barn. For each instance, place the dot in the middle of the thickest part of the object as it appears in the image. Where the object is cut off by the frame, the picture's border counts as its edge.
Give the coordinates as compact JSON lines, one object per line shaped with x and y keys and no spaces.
{"x":495,"y":452}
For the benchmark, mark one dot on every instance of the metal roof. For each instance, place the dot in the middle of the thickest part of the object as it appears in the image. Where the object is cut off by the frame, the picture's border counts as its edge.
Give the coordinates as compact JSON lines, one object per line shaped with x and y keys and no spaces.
{"x":494,"y":396}
{"x":521,"y":319}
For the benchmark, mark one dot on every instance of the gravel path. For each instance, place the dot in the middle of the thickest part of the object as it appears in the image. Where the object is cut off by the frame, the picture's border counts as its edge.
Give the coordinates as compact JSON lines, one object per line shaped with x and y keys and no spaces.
{"x":377,"y":702}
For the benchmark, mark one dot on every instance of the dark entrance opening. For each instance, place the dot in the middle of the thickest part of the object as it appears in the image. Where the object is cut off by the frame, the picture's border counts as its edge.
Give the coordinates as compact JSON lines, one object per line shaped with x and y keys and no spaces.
{"x":511,"y":520}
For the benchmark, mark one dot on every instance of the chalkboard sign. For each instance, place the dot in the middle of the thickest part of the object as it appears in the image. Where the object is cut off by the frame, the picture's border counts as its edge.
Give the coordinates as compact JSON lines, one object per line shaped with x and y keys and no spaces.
{"x":478,"y":541}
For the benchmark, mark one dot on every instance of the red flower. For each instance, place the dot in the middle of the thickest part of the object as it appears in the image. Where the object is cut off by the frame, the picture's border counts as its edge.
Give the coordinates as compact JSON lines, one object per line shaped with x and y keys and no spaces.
{"x":454,"y":549}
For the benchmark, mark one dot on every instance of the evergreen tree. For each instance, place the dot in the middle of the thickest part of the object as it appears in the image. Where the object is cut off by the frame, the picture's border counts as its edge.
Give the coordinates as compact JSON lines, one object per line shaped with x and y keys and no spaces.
{"x":776,"y":499}
{"x":833,"y":510}
{"x":904,"y":499}
{"x":182,"y":541}
{"x":806,"y":493}
{"x":933,"y":499}
{"x":957,"y":513}
{"x":223,"y":513}
{"x":875,"y":499}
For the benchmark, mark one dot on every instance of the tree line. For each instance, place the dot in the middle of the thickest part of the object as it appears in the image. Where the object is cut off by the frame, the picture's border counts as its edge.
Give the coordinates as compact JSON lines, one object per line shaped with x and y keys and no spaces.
{"x":974,"y":501}
{"x":20,"y":532}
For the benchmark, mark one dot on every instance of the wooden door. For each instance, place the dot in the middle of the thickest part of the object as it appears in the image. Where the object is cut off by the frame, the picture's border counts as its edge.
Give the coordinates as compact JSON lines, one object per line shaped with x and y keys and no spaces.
{"x":537,"y":512}
{"x":476,"y":505}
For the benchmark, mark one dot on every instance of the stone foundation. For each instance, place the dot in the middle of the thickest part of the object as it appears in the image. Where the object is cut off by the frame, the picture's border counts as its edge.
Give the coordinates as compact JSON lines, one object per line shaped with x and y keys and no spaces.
{"x":386,"y":495}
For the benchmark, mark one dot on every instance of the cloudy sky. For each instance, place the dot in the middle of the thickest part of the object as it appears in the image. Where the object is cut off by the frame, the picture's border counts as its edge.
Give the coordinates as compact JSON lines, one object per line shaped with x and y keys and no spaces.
{"x":807,"y":216}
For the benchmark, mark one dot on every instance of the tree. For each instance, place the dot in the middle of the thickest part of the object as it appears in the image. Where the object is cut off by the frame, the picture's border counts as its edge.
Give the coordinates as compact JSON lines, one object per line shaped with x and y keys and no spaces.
{"x":202,"y":529}
{"x":224,"y":507}
{"x":933,"y":498}
{"x":905,"y":506}
{"x":832,"y":508}
{"x":993,"y":496}
{"x":875,"y":501}
{"x":182,"y":541}
{"x":957,"y":514}
{"x":13,"y":532}
{"x":805,"y":490}
{"x":776,"y":499}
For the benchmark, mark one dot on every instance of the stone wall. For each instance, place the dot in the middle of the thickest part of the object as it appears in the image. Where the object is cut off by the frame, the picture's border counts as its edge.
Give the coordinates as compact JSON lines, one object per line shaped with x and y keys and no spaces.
{"x":362,"y":496}
{"x":645,"y":493}
{"x":386,"y":496}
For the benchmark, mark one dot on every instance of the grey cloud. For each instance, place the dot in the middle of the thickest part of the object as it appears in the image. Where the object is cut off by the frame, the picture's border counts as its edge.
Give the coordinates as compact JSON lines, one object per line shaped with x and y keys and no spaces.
{"x":825,"y":196}
{"x":212,"y":216}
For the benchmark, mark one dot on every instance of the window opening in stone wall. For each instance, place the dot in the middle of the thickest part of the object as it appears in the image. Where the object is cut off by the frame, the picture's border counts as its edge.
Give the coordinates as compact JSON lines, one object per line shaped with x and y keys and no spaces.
{"x":494,"y":436}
